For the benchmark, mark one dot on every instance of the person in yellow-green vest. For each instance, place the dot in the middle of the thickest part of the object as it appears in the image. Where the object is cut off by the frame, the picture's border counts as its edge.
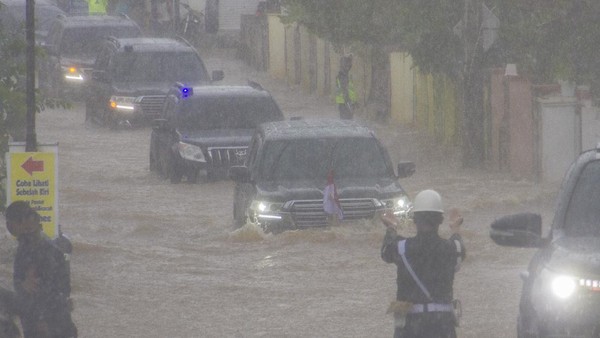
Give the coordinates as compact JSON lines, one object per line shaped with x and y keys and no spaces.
{"x":97,"y":6}
{"x":345,"y":96}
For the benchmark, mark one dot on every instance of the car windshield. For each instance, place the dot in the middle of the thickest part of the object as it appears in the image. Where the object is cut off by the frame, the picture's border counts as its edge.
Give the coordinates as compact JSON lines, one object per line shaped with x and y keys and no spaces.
{"x":312,"y":159}
{"x":227,"y":112}
{"x":159,"y":67}
{"x":87,"y":40}
{"x":583,"y":214}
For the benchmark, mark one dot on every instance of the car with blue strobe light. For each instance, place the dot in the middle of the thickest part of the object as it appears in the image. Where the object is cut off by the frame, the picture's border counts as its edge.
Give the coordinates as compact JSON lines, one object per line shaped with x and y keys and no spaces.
{"x":561,"y":286}
{"x":72,"y":44}
{"x":207,"y":129}
{"x":131,"y":78}
{"x":281,"y":184}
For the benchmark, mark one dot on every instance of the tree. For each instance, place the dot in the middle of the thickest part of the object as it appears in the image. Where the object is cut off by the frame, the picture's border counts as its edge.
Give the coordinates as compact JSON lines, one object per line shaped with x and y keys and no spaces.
{"x":13,"y":107}
{"x":548,"y":39}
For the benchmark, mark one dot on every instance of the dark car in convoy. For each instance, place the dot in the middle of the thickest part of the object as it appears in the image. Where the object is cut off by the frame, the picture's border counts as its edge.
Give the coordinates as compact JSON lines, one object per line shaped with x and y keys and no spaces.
{"x":280,"y":185}
{"x":561,"y":286}
{"x":12,"y":17}
{"x":72,"y":44}
{"x":131,"y":78}
{"x":208,"y":128}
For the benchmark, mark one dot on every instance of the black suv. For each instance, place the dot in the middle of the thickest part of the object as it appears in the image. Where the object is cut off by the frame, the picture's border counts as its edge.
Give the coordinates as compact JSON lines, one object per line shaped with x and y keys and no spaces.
{"x":12,"y":17}
{"x":207,"y":128}
{"x":281,"y":184}
{"x":561,"y":287}
{"x":131,"y":78}
{"x":72,"y":44}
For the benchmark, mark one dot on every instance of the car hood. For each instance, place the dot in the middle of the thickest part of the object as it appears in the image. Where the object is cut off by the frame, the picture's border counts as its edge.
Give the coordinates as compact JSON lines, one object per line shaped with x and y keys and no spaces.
{"x":579,"y":256}
{"x":380,"y":188}
{"x":217,"y":137}
{"x":145,"y":88}
{"x":84,"y":61}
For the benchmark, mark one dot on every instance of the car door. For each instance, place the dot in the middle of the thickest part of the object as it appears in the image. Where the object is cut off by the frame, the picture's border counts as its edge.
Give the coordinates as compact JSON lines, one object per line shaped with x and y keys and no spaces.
{"x":165,"y":133}
{"x":98,"y":88}
{"x":244,"y":192}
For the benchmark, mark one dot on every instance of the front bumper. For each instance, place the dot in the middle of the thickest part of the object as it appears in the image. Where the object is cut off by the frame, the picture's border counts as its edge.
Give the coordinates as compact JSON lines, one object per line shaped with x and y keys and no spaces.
{"x":304,"y":214}
{"x":577,"y":316}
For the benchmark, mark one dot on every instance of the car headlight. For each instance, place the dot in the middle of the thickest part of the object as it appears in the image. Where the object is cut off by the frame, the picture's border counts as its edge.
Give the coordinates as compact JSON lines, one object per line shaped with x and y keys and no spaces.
{"x":190,"y":152}
{"x":72,"y":74}
{"x":123,"y":103}
{"x":561,"y":286}
{"x":266,"y":210}
{"x":400,"y":205}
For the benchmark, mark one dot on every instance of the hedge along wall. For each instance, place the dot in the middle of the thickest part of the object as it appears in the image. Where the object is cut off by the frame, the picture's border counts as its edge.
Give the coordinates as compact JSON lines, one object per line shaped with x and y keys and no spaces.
{"x":426,"y":101}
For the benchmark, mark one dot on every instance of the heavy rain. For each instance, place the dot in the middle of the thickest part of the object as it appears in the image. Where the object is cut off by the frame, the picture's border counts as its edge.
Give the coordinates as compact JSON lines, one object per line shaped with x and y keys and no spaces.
{"x":156,"y":259}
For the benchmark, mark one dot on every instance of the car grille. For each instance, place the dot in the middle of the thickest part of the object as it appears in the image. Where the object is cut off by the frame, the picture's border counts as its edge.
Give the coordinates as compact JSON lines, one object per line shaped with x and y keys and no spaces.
{"x":152,"y":105}
{"x":227,"y":156}
{"x":310,"y":213}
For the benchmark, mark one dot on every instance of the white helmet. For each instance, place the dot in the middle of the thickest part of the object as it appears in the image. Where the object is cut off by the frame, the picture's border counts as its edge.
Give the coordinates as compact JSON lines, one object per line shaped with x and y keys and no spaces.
{"x":428,"y":200}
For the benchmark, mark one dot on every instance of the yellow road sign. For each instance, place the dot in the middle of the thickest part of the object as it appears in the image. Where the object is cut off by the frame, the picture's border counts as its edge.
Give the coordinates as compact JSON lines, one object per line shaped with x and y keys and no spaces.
{"x":33,"y":177}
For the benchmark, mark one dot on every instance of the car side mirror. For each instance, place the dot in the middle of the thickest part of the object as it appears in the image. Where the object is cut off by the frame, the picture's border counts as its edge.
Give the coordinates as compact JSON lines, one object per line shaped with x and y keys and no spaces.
{"x":218,"y":75}
{"x":239,"y":173}
{"x":406,"y":169}
{"x":159,"y":124}
{"x":522,"y":230}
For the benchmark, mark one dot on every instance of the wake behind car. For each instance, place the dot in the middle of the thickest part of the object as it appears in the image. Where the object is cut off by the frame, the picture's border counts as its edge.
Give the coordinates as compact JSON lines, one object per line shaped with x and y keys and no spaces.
{"x":281,"y":184}
{"x":131,"y":78}
{"x":208,"y":128}
{"x":72,"y":44}
{"x":561,"y":287}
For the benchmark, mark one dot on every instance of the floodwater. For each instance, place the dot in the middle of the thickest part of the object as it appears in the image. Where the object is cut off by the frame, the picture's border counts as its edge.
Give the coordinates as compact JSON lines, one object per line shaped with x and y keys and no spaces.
{"x":154,"y":259}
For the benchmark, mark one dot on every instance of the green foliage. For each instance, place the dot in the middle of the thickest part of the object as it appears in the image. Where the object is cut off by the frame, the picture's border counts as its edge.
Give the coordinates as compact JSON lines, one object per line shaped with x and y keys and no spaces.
{"x":553,"y":39}
{"x":13,"y":106}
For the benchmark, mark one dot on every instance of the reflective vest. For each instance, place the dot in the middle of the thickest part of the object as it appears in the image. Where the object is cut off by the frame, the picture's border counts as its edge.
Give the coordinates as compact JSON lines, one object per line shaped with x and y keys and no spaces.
{"x":97,"y":6}
{"x":339,"y":97}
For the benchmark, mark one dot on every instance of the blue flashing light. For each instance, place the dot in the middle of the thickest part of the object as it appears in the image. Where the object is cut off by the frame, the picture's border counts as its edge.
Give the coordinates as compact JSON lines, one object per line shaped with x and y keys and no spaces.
{"x":186,"y":92}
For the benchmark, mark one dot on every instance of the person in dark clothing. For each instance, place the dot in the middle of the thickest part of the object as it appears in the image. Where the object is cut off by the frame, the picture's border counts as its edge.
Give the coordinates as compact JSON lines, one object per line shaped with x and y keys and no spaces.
{"x":426,"y":264}
{"x":8,"y":314}
{"x":40,"y":276}
{"x":345,"y":95}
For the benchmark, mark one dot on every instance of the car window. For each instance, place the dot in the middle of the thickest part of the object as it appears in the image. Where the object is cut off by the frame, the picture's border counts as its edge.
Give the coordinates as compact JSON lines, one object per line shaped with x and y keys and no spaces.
{"x":312,"y":159}
{"x":158,"y":67}
{"x":583,"y":213}
{"x":228,"y":112}
{"x":88,"y":40}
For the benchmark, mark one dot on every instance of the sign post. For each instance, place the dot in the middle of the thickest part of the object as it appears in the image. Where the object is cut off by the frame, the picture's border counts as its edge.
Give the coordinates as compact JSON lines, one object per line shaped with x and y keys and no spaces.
{"x":33,"y":177}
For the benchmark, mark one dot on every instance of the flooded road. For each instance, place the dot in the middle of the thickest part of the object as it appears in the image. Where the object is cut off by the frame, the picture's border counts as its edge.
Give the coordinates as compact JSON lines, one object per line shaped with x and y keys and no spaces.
{"x":155,"y":259}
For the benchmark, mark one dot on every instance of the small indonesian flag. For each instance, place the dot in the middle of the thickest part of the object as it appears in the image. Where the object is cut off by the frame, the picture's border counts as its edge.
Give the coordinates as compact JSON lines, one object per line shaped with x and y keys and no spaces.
{"x":331,"y":201}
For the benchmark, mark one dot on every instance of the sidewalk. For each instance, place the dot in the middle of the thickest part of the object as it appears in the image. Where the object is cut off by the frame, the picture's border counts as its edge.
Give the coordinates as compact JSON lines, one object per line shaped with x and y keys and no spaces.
{"x":438,"y":167}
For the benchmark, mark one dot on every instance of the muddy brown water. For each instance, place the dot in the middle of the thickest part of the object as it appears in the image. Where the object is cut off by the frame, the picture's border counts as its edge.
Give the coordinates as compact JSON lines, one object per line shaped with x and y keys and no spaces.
{"x":153,"y":259}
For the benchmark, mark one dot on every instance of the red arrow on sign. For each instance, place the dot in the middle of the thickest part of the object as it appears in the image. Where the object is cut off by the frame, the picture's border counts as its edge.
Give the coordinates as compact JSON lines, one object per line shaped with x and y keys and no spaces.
{"x":31,"y":165}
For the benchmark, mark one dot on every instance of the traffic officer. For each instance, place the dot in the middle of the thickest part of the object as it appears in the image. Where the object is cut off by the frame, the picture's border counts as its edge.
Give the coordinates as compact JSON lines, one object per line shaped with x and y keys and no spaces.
{"x":41,"y":278}
{"x":426,"y":264}
{"x":345,"y":96}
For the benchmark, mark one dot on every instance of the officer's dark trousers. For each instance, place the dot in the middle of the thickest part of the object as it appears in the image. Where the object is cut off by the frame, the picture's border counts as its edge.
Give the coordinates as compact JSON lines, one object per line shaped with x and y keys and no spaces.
{"x":345,"y":112}
{"x":427,"y":325}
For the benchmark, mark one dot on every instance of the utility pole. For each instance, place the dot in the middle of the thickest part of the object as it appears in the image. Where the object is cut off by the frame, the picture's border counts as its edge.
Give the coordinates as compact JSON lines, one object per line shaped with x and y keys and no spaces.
{"x":30,"y":137}
{"x":473,"y":135}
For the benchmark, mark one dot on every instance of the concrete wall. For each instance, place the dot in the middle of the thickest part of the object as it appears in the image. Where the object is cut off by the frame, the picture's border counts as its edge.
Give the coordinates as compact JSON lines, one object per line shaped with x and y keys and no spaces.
{"x":559,"y":134}
{"x":277,"y":45}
